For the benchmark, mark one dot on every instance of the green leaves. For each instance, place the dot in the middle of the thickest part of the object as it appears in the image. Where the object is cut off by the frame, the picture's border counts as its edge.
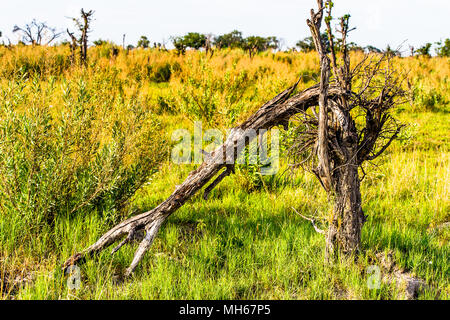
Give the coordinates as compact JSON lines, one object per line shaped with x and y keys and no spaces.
{"x":143,"y":42}
{"x":424,"y":50}
{"x":443,"y":49}
{"x":79,"y":156}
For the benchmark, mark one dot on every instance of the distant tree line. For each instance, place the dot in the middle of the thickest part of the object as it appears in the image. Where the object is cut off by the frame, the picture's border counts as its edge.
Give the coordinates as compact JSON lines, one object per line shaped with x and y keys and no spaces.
{"x":442,"y":49}
{"x":234,"y":39}
{"x":39,"y":33}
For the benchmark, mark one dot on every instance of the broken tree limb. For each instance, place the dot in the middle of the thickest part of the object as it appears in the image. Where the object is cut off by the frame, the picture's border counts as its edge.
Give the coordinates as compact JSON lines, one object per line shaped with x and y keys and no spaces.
{"x":313,"y":222}
{"x":145,"y":244}
{"x":323,"y":170}
{"x":273,"y":113}
{"x":229,"y":170}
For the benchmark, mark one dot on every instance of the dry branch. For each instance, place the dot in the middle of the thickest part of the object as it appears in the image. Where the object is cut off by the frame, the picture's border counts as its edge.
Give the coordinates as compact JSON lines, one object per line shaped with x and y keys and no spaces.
{"x":313,"y":222}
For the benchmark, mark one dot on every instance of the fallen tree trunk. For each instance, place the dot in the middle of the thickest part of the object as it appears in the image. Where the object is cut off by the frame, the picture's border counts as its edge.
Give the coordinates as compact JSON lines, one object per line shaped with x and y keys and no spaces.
{"x":275,"y":112}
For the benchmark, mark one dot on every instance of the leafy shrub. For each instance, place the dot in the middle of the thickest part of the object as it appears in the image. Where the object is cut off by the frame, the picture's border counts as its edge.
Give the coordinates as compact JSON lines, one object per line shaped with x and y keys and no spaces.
{"x":162,"y":73}
{"x":105,"y":49}
{"x":164,"y":105}
{"x":424,"y":50}
{"x":429,"y":99}
{"x":89,"y":154}
{"x":443,"y":49}
{"x":208,"y":97}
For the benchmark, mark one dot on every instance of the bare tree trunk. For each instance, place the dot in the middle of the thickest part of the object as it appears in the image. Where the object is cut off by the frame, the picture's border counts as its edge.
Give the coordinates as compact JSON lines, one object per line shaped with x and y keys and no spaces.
{"x":337,"y":149}
{"x":84,"y":28}
{"x":83,"y":47}
{"x":344,"y":232}
{"x":73,"y":46}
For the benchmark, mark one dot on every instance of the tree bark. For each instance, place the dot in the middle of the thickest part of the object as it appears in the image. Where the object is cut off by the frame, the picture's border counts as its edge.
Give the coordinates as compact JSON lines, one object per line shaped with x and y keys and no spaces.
{"x":344,"y":232}
{"x":337,"y":145}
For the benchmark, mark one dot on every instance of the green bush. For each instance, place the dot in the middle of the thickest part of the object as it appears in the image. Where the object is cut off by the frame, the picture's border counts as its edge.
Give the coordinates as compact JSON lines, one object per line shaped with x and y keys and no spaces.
{"x":82,"y":156}
{"x":429,"y":99}
{"x":105,"y":49}
{"x":164,"y":105}
{"x":164,"y":72}
{"x":443,"y":49}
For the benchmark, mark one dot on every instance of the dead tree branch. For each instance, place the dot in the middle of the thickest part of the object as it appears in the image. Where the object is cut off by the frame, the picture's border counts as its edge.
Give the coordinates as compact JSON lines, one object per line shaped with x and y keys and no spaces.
{"x":313,"y":222}
{"x":37,"y":33}
{"x":84,"y":25}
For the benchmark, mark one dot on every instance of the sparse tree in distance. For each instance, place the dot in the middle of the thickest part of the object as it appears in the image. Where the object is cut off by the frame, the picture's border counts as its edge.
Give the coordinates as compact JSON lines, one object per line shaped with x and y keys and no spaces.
{"x":372,"y":49}
{"x":194,"y":40}
{"x":100,"y":42}
{"x":84,"y":25}
{"x":424,"y":50}
{"x":255,"y":44}
{"x":352,"y":46}
{"x":443,"y":49}
{"x":37,"y":33}
{"x":391,"y":52}
{"x":179,"y":45}
{"x":143,"y":42}
{"x":273,"y":43}
{"x":231,"y":40}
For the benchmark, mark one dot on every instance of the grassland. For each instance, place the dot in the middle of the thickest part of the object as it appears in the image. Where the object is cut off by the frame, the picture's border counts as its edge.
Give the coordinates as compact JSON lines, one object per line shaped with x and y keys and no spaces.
{"x":77,"y":142}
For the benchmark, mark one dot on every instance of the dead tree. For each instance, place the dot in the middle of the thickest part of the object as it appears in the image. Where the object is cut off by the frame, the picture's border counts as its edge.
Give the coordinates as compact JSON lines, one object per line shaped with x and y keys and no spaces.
{"x":37,"y":33}
{"x":209,"y":45}
{"x":331,"y":143}
{"x":73,"y":46}
{"x":329,"y":140}
{"x":83,"y":24}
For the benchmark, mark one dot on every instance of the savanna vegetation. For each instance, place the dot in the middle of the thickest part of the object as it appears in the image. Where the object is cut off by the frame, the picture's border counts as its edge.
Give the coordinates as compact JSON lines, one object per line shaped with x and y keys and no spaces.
{"x":84,"y":146}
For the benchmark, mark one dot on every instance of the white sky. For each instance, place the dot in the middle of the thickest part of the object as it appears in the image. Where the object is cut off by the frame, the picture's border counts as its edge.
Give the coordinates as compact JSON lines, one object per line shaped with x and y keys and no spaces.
{"x":378,"y":22}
